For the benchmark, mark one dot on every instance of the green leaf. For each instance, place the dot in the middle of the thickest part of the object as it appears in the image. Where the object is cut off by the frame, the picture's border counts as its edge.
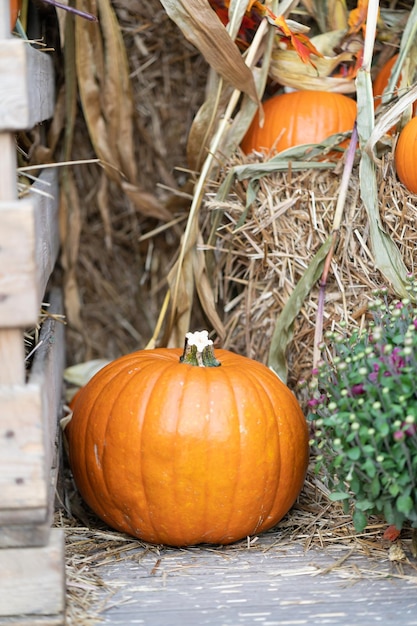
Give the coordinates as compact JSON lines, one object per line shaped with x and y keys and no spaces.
{"x":375,"y":487}
{"x":360,"y":520}
{"x":404,"y":504}
{"x":364,"y":505}
{"x":370,"y":468}
{"x":283,"y":331}
{"x":386,"y":254}
{"x":354,"y":453}
{"x":355,"y":484}
{"x":338,"y":495}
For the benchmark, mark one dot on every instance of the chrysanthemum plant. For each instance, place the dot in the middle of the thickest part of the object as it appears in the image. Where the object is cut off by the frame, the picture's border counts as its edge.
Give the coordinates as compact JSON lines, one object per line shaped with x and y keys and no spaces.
{"x":364,"y":414}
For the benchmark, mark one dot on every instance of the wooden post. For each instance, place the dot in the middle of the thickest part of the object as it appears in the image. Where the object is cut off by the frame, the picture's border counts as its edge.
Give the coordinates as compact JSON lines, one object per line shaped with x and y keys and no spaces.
{"x":32,"y":568}
{"x":12,"y":370}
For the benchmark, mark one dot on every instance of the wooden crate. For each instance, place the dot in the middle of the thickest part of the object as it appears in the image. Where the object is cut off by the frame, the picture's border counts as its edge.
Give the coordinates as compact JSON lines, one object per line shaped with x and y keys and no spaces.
{"x":31,"y":552}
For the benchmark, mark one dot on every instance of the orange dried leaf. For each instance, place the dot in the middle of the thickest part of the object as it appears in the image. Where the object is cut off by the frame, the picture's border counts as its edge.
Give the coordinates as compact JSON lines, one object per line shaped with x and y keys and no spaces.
{"x":392,"y":533}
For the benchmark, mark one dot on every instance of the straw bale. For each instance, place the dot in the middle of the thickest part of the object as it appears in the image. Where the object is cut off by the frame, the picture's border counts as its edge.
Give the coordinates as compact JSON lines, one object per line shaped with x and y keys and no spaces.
{"x":259,"y":263}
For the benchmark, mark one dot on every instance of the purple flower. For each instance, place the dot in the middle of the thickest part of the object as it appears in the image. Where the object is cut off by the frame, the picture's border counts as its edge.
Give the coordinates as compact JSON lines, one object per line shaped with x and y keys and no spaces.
{"x":313,"y":402}
{"x":411,"y":430}
{"x":373,"y":376}
{"x":396,"y":360}
{"x":357,"y":390}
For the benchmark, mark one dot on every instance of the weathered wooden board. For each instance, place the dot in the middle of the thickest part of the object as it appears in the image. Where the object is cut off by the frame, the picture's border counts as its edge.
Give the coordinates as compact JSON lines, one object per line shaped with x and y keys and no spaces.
{"x":28,"y":527}
{"x":32,"y":581}
{"x":29,"y":244}
{"x":28,"y":426}
{"x":263,"y":585}
{"x":27,"y":85}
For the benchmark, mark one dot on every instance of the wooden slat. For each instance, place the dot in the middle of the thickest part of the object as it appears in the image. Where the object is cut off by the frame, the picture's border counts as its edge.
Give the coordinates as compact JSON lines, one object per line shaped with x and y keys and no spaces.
{"x":12,"y":357}
{"x":17,"y":535}
{"x":32,"y":580}
{"x":4,"y":20}
{"x":34,"y":620}
{"x":27,"y":85}
{"x":28,"y":424}
{"x":12,"y":367}
{"x":23,"y":481}
{"x":29,"y":243}
{"x":48,"y":364}
{"x":8,"y":187}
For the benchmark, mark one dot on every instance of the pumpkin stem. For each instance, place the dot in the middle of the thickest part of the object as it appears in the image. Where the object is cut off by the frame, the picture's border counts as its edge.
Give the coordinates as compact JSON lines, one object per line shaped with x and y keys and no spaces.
{"x":198,"y":350}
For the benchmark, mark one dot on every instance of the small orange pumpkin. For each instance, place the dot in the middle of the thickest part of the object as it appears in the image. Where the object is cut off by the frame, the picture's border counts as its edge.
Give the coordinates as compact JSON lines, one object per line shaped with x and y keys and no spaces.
{"x":382,"y":79}
{"x":406,"y":155}
{"x":15,"y":7}
{"x":300,"y":117}
{"x":179,"y":451}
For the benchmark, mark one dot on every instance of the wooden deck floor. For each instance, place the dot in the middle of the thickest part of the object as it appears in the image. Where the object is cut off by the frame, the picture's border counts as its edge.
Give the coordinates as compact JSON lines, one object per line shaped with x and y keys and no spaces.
{"x":264,"y":584}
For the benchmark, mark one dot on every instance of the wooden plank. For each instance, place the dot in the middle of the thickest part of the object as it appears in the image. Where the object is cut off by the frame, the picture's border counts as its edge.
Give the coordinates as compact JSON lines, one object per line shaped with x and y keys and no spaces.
{"x":32,"y":579}
{"x":27,"y":93}
{"x":23,"y":479}
{"x":12,"y":366}
{"x":4,"y":20}
{"x":18,"y":534}
{"x":48,"y":364}
{"x":8,"y":182}
{"x":33,"y":620}
{"x":264,"y":584}
{"x":12,"y":357}
{"x":28,"y":425}
{"x":29,"y":244}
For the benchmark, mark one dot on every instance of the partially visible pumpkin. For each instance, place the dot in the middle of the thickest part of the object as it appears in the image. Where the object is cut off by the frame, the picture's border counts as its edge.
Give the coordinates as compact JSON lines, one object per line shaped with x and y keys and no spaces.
{"x":382,"y":79}
{"x":178,"y":451}
{"x":15,"y":7}
{"x":406,"y":155}
{"x":299,"y":117}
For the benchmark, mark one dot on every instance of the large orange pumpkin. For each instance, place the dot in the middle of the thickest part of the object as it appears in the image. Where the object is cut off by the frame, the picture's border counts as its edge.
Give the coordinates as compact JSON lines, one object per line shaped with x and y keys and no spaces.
{"x":406,"y":155}
{"x":300,"y":117}
{"x":180,"y":454}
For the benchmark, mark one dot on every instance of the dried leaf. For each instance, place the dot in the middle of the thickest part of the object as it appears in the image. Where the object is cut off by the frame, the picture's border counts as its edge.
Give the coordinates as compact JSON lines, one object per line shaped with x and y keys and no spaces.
{"x":201,"y":26}
{"x":205,"y":291}
{"x":81,"y":373}
{"x":248,"y":108}
{"x":181,"y":283}
{"x":288,"y":69}
{"x":145,"y":202}
{"x":70,"y":232}
{"x":391,"y":533}
{"x":396,"y":552}
{"x":204,"y":124}
{"x":105,"y":92}
{"x":388,"y":258}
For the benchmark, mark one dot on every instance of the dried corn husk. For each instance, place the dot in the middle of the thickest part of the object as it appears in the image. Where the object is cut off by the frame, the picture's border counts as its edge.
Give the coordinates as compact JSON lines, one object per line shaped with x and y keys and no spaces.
{"x":288,"y":69}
